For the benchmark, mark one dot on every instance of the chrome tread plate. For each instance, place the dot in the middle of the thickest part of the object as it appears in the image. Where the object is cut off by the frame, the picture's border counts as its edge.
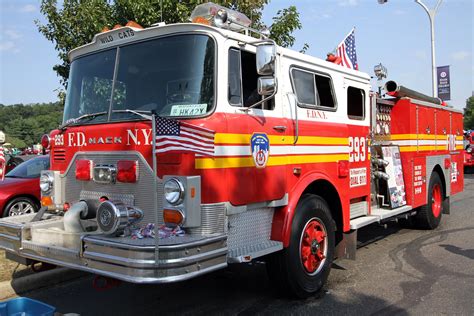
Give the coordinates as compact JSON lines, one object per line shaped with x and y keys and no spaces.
{"x":250,"y":228}
{"x":384,"y":213}
{"x":250,"y":252}
{"x":376,"y":215}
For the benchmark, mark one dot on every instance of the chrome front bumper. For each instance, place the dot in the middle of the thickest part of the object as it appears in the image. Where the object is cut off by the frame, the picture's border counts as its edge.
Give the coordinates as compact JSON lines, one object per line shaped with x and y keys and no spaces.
{"x":123,"y":258}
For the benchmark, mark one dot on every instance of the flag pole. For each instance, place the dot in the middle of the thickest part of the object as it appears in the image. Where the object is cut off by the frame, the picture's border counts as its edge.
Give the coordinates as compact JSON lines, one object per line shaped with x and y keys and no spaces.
{"x":155,"y":188}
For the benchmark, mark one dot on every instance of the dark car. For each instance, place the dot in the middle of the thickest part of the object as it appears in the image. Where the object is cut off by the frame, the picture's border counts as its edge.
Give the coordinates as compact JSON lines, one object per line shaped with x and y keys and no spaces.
{"x":20,"y":191}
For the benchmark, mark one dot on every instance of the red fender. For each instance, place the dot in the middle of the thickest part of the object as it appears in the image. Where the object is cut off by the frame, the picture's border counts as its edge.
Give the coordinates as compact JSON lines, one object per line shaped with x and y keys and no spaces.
{"x":283,"y":218}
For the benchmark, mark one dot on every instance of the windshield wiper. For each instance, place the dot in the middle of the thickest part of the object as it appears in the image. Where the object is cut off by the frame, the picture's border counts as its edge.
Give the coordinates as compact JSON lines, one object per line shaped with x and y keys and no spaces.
{"x":138,"y":112}
{"x":89,"y":116}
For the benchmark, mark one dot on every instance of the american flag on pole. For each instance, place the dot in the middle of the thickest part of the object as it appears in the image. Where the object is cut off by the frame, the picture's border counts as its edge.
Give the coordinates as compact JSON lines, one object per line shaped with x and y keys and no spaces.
{"x":3,"y":164}
{"x":181,"y":137}
{"x":347,"y":51}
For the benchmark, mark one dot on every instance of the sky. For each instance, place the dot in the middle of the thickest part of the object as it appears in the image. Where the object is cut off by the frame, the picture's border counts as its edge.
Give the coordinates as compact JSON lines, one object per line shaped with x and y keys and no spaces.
{"x":396,"y":34}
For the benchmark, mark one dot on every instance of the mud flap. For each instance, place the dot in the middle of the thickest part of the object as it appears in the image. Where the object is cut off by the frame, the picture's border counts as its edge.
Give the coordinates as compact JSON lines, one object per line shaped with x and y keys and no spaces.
{"x":446,"y":206}
{"x":346,"y":248}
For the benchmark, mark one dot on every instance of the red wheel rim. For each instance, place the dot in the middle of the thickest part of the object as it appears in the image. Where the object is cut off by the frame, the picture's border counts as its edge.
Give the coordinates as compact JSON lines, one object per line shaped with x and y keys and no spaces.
{"x":313,"y":246}
{"x":436,"y":200}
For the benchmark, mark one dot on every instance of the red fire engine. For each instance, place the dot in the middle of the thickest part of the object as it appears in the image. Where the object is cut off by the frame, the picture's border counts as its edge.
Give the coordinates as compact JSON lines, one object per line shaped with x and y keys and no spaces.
{"x":469,"y":150}
{"x":229,"y":148}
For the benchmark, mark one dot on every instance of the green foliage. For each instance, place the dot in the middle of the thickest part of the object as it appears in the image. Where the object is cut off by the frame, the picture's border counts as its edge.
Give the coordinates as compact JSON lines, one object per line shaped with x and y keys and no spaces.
{"x":25,"y":124}
{"x":469,"y":114}
{"x":73,"y":23}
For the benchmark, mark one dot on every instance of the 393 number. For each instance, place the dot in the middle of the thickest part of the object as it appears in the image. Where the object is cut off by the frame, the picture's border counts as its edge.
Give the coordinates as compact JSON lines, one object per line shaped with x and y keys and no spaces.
{"x":357,"y":149}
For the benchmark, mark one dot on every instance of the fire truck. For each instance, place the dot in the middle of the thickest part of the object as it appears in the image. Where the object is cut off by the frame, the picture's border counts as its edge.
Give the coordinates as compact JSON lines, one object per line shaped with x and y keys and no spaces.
{"x":468,"y":150}
{"x":188,"y":147}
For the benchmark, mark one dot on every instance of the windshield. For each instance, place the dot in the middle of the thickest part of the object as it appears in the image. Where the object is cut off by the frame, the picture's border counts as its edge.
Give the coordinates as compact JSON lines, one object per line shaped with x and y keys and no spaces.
{"x":30,"y":169}
{"x":172,"y":75}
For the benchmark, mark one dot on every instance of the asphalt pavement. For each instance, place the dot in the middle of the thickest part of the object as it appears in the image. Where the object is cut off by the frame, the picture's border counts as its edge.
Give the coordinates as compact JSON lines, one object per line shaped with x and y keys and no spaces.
{"x":397,"y":272}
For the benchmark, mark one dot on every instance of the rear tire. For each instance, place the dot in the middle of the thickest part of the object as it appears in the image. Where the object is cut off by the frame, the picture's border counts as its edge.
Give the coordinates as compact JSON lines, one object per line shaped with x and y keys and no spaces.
{"x":302,"y":269}
{"x":429,"y":215}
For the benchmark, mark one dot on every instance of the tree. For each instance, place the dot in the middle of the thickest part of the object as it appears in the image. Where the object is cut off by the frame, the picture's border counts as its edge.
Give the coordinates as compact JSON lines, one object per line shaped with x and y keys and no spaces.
{"x":25,"y":124}
{"x":75,"y":22}
{"x":469,"y":114}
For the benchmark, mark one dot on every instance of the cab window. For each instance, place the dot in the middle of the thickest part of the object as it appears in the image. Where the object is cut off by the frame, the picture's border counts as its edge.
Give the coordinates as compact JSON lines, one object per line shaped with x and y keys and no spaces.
{"x":313,"y":90}
{"x":355,"y":103}
{"x":243,"y":78}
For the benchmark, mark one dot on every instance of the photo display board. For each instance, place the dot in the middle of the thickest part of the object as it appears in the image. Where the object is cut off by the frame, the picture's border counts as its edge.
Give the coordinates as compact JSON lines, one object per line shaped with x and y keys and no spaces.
{"x":395,"y":184}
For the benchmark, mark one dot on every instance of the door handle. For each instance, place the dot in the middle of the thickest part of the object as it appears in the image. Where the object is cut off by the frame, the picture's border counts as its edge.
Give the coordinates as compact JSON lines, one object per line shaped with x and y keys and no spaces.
{"x":280,"y":128}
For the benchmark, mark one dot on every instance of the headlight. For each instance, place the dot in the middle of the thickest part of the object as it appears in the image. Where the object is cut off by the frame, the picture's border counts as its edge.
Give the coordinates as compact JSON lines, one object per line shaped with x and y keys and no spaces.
{"x":46,"y":183}
{"x":174,"y":191}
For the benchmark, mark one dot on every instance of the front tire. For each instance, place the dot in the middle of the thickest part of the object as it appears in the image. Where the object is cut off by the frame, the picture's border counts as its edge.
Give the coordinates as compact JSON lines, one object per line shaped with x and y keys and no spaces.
{"x":302,"y":269}
{"x":429,"y":215}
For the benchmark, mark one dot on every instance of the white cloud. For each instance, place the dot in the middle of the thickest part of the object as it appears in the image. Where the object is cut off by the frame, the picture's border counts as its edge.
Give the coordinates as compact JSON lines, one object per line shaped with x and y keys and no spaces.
{"x":28,"y":8}
{"x":421,"y":54}
{"x":348,"y":3}
{"x":12,"y":34}
{"x":460,"y":55}
{"x":7,"y":46}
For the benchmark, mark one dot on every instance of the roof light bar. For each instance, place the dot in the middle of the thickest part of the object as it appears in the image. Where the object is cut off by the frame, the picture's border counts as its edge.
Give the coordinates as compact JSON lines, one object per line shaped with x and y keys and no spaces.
{"x":215,"y":15}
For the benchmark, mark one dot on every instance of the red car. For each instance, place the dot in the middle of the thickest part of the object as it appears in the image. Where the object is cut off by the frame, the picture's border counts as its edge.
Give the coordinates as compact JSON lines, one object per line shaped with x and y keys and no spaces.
{"x":20,"y":191}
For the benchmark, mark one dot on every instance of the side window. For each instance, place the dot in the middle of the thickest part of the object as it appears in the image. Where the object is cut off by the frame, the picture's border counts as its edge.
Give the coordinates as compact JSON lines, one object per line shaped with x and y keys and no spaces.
{"x":313,"y":90}
{"x":235,"y":90}
{"x":324,"y":91}
{"x":304,"y":86}
{"x":355,"y":103}
{"x":243,"y":78}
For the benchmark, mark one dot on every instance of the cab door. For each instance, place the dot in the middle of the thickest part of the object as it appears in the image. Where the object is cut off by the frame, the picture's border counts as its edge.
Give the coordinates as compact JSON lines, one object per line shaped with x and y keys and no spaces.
{"x":261,"y":132}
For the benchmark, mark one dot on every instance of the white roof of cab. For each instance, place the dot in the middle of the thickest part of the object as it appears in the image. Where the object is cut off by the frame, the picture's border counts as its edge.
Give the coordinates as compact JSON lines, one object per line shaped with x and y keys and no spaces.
{"x":128,"y":35}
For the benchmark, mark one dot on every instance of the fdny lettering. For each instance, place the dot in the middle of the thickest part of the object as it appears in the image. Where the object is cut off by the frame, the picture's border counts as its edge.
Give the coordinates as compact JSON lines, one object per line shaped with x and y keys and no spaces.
{"x":135,"y":135}
{"x":76,"y":139}
{"x":316,"y":114}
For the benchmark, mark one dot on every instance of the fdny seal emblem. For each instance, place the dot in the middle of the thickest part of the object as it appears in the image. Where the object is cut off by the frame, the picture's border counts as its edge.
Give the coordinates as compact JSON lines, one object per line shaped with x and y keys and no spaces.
{"x":260,"y":146}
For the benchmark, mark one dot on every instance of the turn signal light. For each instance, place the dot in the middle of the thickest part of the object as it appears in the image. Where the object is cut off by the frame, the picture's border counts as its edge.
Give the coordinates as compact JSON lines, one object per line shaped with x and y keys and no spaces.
{"x":83,"y":170}
{"x":46,"y":201}
{"x":173,"y":217}
{"x":127,"y":171}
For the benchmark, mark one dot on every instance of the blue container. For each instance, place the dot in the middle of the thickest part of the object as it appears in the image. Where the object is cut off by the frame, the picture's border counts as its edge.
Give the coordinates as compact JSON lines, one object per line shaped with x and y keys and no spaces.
{"x":23,"y":306}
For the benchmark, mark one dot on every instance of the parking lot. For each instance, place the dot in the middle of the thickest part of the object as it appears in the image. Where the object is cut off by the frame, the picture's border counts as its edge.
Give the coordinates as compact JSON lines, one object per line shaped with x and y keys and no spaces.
{"x":397,"y":271}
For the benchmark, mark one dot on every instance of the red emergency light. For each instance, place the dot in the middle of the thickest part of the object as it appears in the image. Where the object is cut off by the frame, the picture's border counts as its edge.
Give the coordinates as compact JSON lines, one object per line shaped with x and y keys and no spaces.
{"x":83,"y":170}
{"x":127,"y":171}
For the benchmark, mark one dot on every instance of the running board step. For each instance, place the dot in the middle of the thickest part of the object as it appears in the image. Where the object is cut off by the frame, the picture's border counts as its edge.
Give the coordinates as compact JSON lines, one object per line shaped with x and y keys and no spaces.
{"x":377,"y":215}
{"x":248,"y":253}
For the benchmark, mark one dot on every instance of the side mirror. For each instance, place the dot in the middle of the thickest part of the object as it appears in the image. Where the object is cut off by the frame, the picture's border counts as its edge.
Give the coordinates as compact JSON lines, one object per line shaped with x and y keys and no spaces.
{"x":266,"y":85}
{"x":266,"y":55}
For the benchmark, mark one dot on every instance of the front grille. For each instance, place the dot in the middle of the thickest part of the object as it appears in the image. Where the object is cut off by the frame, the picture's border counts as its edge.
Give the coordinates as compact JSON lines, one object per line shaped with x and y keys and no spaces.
{"x":59,"y":155}
{"x":138,"y":194}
